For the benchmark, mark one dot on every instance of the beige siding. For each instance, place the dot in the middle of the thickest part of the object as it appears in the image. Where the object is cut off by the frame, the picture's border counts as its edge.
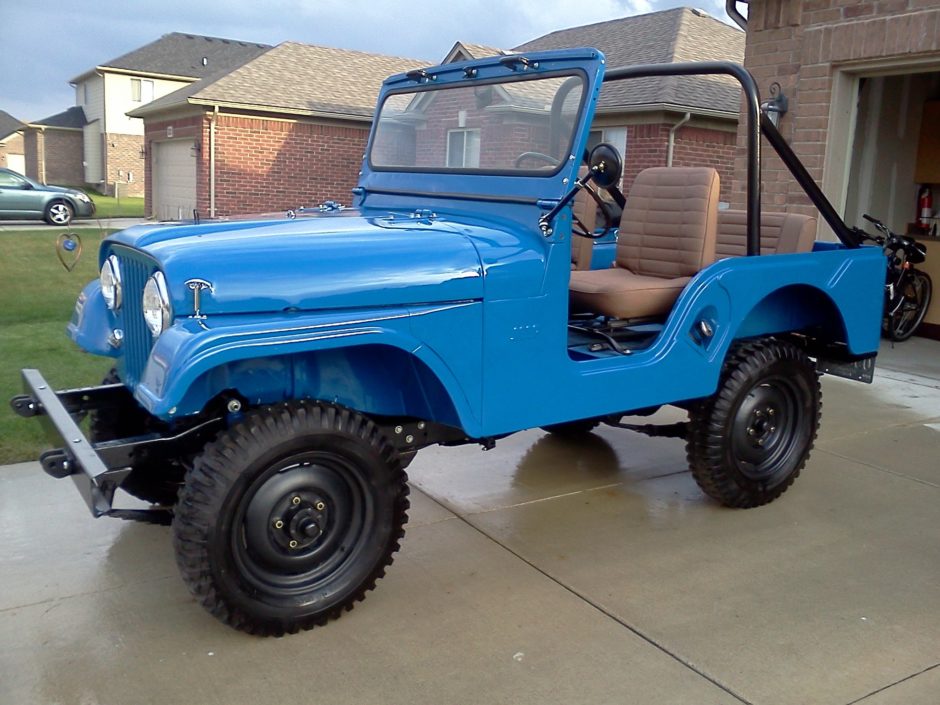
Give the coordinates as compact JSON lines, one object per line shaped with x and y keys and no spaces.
{"x":119,"y":96}
{"x":91,"y":155}
{"x":94,"y":106}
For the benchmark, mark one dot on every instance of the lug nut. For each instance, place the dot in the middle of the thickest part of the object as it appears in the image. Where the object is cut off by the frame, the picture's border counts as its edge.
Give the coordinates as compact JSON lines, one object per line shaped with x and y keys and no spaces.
{"x":293,"y":544}
{"x":409,"y":438}
{"x":279,"y":524}
{"x":320,"y":506}
{"x":295,"y":500}
{"x":750,"y":432}
{"x":398,"y":430}
{"x":234,"y":406}
{"x":770,"y":412}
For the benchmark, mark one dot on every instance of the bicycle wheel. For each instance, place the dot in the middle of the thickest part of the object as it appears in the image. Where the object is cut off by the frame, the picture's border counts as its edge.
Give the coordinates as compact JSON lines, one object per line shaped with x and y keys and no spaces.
{"x":909,"y":315}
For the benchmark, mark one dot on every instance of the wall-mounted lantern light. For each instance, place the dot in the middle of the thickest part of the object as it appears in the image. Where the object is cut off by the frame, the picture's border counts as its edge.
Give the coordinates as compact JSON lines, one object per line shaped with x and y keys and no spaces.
{"x":143,"y":151}
{"x":777,"y":105}
{"x":195,"y":149}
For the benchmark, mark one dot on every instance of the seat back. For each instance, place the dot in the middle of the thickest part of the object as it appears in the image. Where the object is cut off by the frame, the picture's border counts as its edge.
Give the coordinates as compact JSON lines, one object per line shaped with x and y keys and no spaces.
{"x":585,"y":210}
{"x":780,"y":233}
{"x":670,"y":222}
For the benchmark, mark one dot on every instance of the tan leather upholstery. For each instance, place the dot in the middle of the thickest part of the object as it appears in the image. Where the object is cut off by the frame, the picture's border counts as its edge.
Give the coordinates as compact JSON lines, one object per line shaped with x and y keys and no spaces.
{"x":667,"y":234}
{"x":780,"y":233}
{"x":585,"y":210}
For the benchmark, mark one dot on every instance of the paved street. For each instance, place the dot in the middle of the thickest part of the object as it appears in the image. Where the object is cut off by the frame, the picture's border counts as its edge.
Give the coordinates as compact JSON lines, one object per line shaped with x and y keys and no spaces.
{"x":543,"y":571}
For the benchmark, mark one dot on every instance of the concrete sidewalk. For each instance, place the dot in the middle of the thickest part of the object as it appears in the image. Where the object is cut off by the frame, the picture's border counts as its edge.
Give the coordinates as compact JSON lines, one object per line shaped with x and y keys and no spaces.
{"x":543,"y":571}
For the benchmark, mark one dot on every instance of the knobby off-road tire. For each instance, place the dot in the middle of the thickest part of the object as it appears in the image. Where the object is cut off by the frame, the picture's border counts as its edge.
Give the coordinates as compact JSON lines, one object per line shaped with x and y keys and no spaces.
{"x":749,"y":441}
{"x":156,"y":483}
{"x":289,"y":517}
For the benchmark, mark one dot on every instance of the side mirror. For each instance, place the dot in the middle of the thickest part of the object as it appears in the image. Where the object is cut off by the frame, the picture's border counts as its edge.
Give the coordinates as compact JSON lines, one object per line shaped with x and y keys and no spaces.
{"x":606,"y":165}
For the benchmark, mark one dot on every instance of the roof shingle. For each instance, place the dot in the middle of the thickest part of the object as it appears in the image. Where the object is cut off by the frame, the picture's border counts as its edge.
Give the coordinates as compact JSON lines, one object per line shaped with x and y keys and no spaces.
{"x":669,"y":36}
{"x":74,"y":117}
{"x":299,"y":78}
{"x":189,"y":55}
{"x":9,"y":124}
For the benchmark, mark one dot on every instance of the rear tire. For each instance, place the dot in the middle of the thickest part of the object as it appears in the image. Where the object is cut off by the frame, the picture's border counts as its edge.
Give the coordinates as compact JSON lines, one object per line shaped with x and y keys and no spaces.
{"x":289,"y":517}
{"x":917,"y":292}
{"x":749,"y":441}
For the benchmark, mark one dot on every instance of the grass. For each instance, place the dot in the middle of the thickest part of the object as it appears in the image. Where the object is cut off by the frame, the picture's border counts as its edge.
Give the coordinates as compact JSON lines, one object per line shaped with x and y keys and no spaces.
{"x":38,"y":295}
{"x":111,"y":207}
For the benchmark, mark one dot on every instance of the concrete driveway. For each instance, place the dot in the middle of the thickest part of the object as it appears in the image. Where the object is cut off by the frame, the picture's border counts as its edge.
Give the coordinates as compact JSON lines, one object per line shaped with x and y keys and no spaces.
{"x":105,"y":223}
{"x":540,"y":572}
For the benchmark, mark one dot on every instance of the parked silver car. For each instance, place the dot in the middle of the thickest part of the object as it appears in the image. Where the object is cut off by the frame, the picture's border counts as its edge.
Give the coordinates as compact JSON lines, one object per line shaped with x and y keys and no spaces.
{"x":24,"y":199}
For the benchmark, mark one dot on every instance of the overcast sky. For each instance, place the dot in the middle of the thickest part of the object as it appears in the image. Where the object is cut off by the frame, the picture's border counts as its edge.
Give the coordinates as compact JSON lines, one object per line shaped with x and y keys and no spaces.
{"x":47,"y":43}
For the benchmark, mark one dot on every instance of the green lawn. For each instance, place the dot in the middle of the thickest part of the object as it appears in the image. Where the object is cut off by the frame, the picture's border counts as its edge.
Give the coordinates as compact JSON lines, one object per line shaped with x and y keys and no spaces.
{"x":38,"y":296}
{"x":111,"y":207}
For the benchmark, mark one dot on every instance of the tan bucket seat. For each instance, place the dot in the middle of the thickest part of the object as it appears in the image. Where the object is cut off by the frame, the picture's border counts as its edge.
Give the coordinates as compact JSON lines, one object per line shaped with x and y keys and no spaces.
{"x":667,"y":234}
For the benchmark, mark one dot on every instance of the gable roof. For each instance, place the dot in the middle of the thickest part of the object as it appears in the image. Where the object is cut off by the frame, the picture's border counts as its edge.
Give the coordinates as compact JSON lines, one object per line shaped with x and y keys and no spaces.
{"x":73,"y":118}
{"x":9,"y":124}
{"x":184,"y":56}
{"x":466,"y":51}
{"x":677,"y":35}
{"x":295,"y":78}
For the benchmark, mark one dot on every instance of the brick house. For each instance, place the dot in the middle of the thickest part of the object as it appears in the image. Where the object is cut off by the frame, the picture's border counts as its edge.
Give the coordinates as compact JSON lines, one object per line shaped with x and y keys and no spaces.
{"x":862,"y":78}
{"x":11,"y":143}
{"x":52,"y":148}
{"x":284,"y":130}
{"x":679,"y":121}
{"x":112,"y":142}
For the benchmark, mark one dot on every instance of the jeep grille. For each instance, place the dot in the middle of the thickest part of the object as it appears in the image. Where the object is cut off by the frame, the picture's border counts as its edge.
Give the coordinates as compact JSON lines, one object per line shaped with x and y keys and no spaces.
{"x":138,"y":341}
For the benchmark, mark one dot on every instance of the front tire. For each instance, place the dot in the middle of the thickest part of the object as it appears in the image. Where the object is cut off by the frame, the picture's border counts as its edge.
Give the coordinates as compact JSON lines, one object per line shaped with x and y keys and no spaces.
{"x":289,"y":517}
{"x":749,"y":441}
{"x":59,"y":213}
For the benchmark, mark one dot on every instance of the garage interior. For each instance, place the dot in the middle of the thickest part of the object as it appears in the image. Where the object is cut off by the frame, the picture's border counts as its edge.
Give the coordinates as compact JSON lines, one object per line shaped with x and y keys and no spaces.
{"x":895,"y":152}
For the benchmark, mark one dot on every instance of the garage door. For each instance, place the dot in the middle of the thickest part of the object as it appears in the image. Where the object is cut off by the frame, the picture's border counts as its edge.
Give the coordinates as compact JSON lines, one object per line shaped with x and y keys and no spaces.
{"x":16,"y":162}
{"x":174,"y":180}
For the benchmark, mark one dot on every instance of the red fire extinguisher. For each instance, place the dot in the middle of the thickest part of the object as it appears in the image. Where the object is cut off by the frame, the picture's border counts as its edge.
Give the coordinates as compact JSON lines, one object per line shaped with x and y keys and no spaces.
{"x":924,"y":206}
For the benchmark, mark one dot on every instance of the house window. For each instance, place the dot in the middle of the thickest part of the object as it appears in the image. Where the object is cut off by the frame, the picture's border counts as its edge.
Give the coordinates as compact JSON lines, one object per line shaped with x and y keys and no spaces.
{"x":463,"y":149}
{"x":141,"y":90}
{"x":595,"y":137}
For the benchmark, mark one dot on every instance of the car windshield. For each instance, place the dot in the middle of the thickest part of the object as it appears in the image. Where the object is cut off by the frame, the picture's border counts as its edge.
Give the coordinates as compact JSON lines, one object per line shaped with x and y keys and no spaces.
{"x":518,"y":126}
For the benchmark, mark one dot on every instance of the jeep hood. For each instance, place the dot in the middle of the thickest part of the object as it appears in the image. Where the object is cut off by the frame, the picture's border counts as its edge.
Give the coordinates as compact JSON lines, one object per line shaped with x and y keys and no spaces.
{"x":330,"y":261}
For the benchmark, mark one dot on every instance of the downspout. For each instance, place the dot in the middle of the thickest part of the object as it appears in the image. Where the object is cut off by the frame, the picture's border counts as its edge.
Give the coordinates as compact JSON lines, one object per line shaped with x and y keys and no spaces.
{"x":672,"y":137}
{"x":42,"y":156}
{"x":212,"y":119}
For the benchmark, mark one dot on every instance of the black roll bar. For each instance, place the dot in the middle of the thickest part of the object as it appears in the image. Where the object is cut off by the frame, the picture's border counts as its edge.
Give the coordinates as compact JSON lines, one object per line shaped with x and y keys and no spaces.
{"x":756,"y":122}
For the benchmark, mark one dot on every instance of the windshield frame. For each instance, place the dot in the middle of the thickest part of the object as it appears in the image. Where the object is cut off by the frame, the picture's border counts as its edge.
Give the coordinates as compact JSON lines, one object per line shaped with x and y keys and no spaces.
{"x":571,"y":72}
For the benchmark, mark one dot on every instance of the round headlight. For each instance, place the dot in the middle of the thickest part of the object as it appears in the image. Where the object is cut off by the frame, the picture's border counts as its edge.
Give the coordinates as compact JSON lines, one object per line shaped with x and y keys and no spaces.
{"x":156,"y":304}
{"x":111,"y":283}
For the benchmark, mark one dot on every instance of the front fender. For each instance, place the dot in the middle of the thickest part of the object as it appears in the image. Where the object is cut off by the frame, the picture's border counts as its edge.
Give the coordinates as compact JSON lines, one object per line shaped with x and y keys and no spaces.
{"x":92,"y":323}
{"x":267,"y":359}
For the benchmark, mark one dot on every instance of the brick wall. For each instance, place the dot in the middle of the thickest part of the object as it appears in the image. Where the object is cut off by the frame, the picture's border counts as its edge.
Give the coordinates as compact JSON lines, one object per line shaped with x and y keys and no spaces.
{"x":273,"y":165}
{"x":13,"y":145}
{"x":54,"y":156}
{"x":800,"y":43}
{"x":647,"y":146}
{"x":124,"y":164}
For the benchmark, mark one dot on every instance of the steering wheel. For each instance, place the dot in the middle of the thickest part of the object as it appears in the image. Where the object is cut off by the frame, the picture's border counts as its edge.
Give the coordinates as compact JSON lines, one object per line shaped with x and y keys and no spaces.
{"x":552,"y":161}
{"x":580,"y":229}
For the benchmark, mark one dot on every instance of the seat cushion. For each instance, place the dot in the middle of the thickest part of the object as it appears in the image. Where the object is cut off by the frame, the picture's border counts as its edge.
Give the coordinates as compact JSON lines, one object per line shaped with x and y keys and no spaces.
{"x":780,"y":233}
{"x":620,"y":293}
{"x":670,"y":222}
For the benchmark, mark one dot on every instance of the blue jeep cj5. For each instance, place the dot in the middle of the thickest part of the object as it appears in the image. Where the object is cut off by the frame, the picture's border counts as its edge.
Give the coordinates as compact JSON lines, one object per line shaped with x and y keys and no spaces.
{"x":273,"y":378}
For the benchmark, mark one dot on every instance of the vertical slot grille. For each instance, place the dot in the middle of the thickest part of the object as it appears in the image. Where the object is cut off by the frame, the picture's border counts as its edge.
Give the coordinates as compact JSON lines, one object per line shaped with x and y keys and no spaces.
{"x":137,"y":338}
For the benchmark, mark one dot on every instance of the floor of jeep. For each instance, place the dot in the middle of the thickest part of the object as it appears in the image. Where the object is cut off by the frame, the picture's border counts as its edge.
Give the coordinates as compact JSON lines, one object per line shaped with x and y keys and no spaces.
{"x":596,"y":338}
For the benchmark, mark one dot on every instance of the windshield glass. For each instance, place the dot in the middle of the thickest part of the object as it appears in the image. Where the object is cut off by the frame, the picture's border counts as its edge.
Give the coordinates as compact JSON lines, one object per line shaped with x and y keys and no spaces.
{"x":508,"y":127}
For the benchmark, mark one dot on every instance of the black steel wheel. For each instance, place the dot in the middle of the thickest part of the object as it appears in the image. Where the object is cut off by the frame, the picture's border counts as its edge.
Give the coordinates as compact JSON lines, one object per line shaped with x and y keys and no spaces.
{"x":909,"y":314}
{"x":749,"y":441}
{"x":153,"y":482}
{"x":59,"y":213}
{"x":289,"y":517}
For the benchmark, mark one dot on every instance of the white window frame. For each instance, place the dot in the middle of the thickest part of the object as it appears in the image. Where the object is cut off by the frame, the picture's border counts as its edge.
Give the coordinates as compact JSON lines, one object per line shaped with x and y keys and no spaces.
{"x":463,"y":157}
{"x":141,"y":90}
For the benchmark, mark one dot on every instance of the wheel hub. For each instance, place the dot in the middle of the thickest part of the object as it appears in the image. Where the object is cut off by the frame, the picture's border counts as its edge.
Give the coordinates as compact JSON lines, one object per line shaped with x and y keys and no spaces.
{"x":299,"y":520}
{"x":762,"y":426}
